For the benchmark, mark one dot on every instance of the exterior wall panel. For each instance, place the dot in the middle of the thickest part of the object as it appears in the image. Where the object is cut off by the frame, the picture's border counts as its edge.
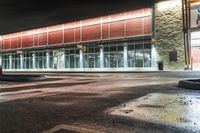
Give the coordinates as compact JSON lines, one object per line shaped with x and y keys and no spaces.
{"x":27,"y":41}
{"x":69,"y":35}
{"x":134,"y":27}
{"x":147,"y":25}
{"x":55,"y":37}
{"x":40,"y":39}
{"x":92,"y":33}
{"x":6,"y":44}
{"x":14,"y":43}
{"x":117,"y":29}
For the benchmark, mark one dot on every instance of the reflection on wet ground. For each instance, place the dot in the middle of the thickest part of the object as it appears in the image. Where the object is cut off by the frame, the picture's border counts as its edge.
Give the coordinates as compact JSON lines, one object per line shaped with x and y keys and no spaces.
{"x":110,"y":103}
{"x":177,"y":109}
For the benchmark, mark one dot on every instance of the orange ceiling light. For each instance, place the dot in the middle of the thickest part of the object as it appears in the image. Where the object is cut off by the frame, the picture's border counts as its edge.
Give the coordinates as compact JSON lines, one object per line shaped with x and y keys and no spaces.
{"x":194,"y":1}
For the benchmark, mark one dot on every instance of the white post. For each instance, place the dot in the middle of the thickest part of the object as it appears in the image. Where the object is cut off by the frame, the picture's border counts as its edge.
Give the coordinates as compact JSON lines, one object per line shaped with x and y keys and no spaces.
{"x":10,"y":59}
{"x":47,"y":61}
{"x":81,"y":58}
{"x":101,"y":57}
{"x":125,"y":56}
{"x":21,"y":61}
{"x":62,"y":58}
{"x":33,"y":59}
{"x":154,"y":57}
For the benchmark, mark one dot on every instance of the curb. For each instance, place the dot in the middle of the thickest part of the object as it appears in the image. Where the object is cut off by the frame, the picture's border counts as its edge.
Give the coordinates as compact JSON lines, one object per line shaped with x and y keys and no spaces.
{"x":190,"y":84}
{"x":21,"y":78}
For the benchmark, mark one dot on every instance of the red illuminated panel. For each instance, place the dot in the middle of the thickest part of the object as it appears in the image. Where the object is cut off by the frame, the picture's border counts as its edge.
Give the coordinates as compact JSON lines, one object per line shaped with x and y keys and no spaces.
{"x":134,"y":27}
{"x":117,"y":17}
{"x":40,"y":39}
{"x":14,"y":43}
{"x":56,"y":27}
{"x":92,"y":21}
{"x":55,"y":37}
{"x":147,"y":11}
{"x":105,"y":28}
{"x":77,"y":35}
{"x":147,"y":25}
{"x":133,"y":14}
{"x":92,"y":33}
{"x":6,"y":44}
{"x":69,"y":25}
{"x":105,"y":31}
{"x":27,"y":41}
{"x":69,"y":35}
{"x":117,"y":29}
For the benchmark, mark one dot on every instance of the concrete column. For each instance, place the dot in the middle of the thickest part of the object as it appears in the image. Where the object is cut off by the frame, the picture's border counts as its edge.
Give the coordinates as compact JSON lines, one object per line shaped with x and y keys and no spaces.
{"x":101,"y":57}
{"x":81,"y":58}
{"x":154,"y":57}
{"x":125,"y":55}
{"x":10,"y":59}
{"x":47,"y":61}
{"x":62,"y":58}
{"x":21,"y":61}
{"x":33,"y":59}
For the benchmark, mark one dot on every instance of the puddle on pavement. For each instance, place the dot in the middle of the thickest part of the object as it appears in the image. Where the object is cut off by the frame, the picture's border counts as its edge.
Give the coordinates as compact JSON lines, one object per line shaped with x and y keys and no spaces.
{"x":180,"y":110}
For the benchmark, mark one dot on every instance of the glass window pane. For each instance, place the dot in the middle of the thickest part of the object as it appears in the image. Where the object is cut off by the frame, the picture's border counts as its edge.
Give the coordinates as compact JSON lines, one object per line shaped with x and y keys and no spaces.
{"x":120,"y":59}
{"x":113,"y":48}
{"x":120,"y":48}
{"x":106,"y":49}
{"x":131,"y":47}
{"x":131,"y":59}
{"x":147,"y":58}
{"x":139,"y":47}
{"x":106,"y":60}
{"x":147,"y":46}
{"x":113,"y":60}
{"x":138,"y":58}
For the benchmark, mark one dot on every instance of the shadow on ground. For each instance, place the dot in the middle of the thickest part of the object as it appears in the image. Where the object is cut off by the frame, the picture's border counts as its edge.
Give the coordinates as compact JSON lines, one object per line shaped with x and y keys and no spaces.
{"x":81,"y":109}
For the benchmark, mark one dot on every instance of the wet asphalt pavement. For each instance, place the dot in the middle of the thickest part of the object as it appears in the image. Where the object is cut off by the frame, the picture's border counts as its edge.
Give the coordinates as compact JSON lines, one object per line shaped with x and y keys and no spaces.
{"x":101,"y":103}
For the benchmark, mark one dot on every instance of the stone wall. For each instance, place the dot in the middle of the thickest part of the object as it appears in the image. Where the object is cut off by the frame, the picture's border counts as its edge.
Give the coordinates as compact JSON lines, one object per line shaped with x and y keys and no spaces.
{"x":169,"y":33}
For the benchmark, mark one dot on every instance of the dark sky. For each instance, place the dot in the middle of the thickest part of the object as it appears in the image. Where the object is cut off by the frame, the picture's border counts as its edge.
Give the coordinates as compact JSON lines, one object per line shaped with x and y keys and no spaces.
{"x":17,"y":15}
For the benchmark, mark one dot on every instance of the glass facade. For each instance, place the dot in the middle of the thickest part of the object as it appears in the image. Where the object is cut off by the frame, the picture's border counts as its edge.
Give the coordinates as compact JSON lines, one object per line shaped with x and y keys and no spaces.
{"x":131,"y":55}
{"x":114,"y":56}
{"x":5,"y":61}
{"x":72,"y":58}
{"x":40,"y":60}
{"x":139,"y":55}
{"x":27,"y":61}
{"x":92,"y":58}
{"x":16,"y":62}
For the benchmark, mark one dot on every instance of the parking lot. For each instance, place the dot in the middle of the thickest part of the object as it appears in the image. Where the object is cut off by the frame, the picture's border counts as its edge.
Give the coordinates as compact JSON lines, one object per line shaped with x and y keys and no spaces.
{"x":100,"y":102}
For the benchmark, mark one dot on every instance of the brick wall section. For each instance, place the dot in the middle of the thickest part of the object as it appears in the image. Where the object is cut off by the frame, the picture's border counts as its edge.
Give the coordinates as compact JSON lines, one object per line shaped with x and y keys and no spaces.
{"x":169,"y":33}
